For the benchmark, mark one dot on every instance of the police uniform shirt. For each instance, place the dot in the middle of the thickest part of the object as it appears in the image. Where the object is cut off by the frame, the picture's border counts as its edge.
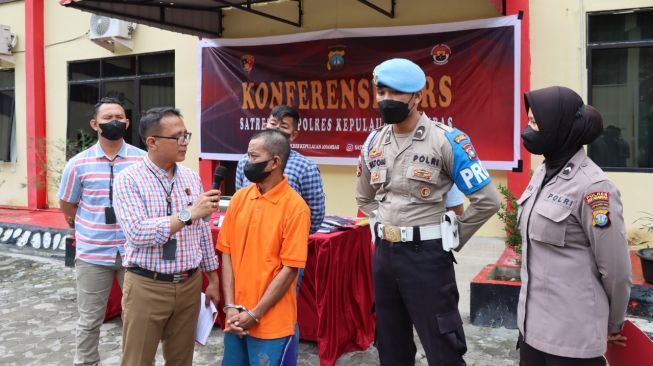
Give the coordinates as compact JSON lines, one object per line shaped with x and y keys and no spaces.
{"x":575,"y":263}
{"x":407,"y":182}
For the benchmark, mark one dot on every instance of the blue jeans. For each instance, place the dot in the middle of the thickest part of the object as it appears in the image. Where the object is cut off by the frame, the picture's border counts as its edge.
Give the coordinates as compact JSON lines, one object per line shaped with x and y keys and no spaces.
{"x":251,"y":351}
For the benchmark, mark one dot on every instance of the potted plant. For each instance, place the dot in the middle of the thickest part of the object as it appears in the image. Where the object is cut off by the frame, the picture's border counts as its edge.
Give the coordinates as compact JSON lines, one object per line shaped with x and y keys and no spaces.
{"x":494,"y":292}
{"x":508,"y":215}
{"x":646,"y":254}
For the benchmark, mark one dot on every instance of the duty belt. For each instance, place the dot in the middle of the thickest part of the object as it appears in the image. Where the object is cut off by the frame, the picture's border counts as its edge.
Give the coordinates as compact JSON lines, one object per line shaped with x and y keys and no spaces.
{"x":167,"y":277}
{"x":396,"y":234}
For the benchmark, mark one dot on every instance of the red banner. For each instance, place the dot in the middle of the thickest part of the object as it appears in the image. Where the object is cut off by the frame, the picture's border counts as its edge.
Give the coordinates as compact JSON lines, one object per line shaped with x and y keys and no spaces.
{"x":472,"y":71}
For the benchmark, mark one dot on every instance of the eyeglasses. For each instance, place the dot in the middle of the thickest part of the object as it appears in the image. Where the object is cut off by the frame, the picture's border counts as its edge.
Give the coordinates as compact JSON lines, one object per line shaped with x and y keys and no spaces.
{"x":183,"y":139}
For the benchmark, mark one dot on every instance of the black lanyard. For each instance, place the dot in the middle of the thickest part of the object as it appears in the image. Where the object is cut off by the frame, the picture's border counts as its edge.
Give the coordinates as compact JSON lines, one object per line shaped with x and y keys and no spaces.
{"x":111,"y":182}
{"x":168,"y":194}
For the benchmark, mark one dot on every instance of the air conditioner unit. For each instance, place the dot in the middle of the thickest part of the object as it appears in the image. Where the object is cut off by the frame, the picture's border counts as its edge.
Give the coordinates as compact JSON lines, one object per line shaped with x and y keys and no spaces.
{"x":8,"y":42}
{"x":108,"y":32}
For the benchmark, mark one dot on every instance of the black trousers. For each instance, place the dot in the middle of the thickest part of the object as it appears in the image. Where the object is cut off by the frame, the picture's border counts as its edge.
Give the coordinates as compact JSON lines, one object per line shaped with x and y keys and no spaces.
{"x":415,"y":284}
{"x":529,"y":356}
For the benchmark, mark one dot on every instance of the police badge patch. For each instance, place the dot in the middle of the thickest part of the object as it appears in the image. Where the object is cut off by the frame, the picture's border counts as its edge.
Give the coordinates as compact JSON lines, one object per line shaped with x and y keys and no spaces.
{"x":376,"y":153}
{"x":460,"y":138}
{"x":422,"y":173}
{"x":424,"y":191}
{"x":600,"y":204}
{"x":471,"y":153}
{"x":359,"y":168}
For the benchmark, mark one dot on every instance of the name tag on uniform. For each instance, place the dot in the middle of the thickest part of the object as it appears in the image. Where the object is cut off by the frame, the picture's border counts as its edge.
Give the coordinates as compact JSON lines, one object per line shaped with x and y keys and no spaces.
{"x":559,"y":199}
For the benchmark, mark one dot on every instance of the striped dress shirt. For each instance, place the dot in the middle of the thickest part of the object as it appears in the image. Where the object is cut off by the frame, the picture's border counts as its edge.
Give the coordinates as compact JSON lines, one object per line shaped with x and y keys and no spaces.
{"x":141,"y":208}
{"x":85,"y":181}
{"x":304,"y":177}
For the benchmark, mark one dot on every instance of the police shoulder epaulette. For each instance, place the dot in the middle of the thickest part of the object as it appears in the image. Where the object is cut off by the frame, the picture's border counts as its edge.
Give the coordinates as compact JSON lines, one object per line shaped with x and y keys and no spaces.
{"x":446,"y":128}
{"x":593,"y":173}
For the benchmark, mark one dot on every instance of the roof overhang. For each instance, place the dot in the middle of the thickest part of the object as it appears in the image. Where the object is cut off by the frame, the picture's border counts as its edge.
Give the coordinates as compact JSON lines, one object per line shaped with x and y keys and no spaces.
{"x":203,"y":18}
{"x":196,"y":17}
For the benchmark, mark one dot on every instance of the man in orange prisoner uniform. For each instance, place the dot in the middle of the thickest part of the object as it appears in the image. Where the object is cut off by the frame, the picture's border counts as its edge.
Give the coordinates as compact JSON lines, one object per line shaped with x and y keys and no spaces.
{"x":264,"y":242}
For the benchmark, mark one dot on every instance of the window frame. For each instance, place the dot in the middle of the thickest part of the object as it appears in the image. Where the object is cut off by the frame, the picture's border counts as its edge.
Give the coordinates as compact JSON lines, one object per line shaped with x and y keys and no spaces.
{"x":12,"y":141}
{"x":136,"y":79}
{"x":590,"y":46}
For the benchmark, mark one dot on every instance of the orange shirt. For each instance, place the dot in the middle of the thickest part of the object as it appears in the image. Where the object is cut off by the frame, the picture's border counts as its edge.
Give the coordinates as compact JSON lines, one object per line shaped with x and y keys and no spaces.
{"x":263,"y":233}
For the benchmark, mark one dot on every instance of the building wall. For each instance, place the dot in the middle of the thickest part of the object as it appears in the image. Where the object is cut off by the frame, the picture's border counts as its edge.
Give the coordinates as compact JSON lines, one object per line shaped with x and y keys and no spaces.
{"x":13,"y":177}
{"x":558,"y":57}
{"x":69,"y":43}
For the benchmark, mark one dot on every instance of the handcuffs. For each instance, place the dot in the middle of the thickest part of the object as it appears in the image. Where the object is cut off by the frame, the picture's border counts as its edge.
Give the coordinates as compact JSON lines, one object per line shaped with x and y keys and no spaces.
{"x":240,"y":309}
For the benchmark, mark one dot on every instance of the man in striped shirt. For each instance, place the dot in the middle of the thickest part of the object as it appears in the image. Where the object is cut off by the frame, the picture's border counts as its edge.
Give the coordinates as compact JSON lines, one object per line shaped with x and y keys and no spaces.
{"x":160,"y":205}
{"x":86,"y":200}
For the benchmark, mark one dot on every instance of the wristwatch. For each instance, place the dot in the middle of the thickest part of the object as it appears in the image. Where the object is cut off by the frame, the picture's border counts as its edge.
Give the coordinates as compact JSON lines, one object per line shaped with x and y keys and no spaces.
{"x":184,"y":216}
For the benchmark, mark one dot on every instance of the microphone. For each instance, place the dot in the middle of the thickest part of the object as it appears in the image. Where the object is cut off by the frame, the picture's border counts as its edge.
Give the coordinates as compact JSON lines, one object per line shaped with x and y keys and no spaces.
{"x":218,"y":176}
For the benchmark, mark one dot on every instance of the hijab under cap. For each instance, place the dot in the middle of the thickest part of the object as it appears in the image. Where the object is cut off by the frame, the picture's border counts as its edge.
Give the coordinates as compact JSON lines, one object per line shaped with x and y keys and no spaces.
{"x":565,"y":124}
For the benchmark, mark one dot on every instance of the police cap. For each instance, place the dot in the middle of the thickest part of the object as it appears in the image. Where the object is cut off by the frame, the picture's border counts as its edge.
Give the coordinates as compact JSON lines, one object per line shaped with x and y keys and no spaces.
{"x":399,"y":74}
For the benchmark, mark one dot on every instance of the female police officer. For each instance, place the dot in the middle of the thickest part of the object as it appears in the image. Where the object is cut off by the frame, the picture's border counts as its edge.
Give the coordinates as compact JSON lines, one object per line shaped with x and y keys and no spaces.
{"x":405,"y":172}
{"x":575,"y":266}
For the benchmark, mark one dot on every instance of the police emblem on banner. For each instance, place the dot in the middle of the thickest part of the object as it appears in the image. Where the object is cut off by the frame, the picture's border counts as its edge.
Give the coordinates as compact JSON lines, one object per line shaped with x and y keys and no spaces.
{"x":336,"y":57}
{"x":440,"y":54}
{"x":247,"y":63}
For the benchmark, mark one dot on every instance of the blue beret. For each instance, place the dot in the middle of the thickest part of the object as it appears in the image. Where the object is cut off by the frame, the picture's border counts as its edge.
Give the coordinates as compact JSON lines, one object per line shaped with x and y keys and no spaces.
{"x":400,"y":74}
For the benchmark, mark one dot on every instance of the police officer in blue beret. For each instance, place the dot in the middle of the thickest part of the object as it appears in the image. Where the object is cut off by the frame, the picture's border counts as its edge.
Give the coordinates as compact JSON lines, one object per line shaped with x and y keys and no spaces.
{"x":405,"y":170}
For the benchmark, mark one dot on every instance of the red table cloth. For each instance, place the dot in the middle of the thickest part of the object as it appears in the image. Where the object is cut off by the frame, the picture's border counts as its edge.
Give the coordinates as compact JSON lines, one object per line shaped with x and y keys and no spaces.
{"x":336,"y":294}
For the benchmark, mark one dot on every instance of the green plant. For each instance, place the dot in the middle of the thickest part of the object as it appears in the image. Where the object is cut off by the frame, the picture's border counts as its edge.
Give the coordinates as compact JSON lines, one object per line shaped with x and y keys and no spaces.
{"x":646,"y":222}
{"x":60,"y":152}
{"x":508,"y":215}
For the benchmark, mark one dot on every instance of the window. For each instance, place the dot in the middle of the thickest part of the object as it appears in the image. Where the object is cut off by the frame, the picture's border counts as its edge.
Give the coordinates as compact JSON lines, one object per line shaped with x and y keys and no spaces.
{"x":620,"y":63}
{"x":140,"y":82}
{"x":7,"y":116}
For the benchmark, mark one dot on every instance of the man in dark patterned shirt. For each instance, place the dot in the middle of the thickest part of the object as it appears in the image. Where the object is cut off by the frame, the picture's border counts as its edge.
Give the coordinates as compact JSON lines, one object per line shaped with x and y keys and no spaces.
{"x":303,"y":175}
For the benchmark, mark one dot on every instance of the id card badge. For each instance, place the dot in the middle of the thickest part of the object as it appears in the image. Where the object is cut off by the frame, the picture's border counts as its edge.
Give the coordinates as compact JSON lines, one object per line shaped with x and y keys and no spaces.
{"x":109,"y":216}
{"x":170,"y":250}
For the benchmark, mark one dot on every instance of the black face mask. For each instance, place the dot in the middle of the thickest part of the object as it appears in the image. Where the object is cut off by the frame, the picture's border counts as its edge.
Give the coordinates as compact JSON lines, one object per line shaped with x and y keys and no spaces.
{"x":114,"y":130}
{"x":536,"y":142}
{"x":393,"y":111}
{"x":255,"y":172}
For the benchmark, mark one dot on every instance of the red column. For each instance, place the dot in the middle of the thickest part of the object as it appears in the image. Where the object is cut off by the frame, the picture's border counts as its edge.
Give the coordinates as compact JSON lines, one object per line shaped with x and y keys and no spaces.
{"x":35,"y":102}
{"x":517,"y":181}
